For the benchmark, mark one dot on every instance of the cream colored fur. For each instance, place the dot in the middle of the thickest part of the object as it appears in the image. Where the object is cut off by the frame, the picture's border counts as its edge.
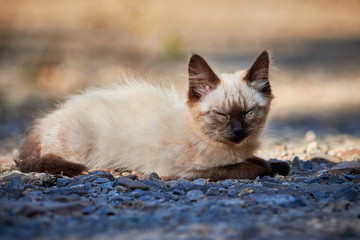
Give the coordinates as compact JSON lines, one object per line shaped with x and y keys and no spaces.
{"x":145,"y":128}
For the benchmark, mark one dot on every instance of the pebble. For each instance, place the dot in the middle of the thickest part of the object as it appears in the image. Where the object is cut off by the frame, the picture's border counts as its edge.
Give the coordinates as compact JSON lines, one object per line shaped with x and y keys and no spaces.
{"x":213,"y":191}
{"x":101,"y":203}
{"x":194,"y":195}
{"x":101,"y":180}
{"x":200,"y":182}
{"x":227,"y":183}
{"x":61,"y":182}
{"x":131,"y":184}
{"x":312,"y":147}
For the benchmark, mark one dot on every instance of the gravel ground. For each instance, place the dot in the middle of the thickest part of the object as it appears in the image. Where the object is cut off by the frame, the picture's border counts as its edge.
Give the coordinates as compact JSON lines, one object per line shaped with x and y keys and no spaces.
{"x":318,"y":200}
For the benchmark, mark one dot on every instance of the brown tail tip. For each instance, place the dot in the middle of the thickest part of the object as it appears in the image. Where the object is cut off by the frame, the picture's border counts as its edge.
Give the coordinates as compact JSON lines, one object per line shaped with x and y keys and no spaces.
{"x":52,"y":164}
{"x":281,"y":168}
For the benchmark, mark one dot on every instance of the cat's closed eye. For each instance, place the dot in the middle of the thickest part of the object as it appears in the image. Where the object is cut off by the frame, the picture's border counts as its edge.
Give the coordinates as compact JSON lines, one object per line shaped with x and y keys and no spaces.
{"x":220,"y":113}
{"x":250,"y":113}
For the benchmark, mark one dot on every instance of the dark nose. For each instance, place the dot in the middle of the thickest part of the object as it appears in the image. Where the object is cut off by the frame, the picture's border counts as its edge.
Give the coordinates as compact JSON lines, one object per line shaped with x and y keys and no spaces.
{"x":238,"y":131}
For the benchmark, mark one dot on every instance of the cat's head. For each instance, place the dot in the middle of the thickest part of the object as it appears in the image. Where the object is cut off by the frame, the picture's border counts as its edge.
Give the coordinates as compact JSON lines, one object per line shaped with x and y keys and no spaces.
{"x":229,"y":108}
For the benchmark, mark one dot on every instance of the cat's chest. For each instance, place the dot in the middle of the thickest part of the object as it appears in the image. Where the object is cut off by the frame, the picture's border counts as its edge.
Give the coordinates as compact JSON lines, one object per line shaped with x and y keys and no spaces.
{"x":203,"y":156}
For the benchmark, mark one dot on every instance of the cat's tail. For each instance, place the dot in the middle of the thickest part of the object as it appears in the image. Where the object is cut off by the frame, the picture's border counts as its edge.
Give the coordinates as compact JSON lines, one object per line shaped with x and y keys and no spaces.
{"x":30,"y":160}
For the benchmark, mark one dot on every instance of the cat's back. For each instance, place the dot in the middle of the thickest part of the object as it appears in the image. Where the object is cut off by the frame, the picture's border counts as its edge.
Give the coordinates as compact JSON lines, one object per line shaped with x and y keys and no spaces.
{"x":129,"y":96}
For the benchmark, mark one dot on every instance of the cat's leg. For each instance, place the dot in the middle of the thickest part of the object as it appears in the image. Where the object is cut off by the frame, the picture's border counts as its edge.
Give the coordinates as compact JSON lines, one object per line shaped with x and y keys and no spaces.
{"x":249,"y":169}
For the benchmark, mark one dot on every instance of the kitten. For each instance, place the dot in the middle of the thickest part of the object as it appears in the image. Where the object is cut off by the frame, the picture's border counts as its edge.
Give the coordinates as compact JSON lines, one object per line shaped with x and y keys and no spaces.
{"x":212,"y":132}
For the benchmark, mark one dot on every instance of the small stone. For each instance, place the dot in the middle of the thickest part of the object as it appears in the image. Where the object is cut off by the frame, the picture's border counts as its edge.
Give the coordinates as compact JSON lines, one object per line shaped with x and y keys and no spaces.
{"x":48,"y":179}
{"x":298,"y":202}
{"x":308,"y":165}
{"x":312,"y":147}
{"x":296,"y":162}
{"x":280,"y":177}
{"x":200,"y":181}
{"x":120,"y":188}
{"x":177,"y":192}
{"x":88,"y":209}
{"x":323,"y":175}
{"x":213,"y":191}
{"x":245,"y":191}
{"x":153,"y":176}
{"x":317,"y":194}
{"x":82,"y":179}
{"x":61,"y":182}
{"x":227,"y":183}
{"x":137,"y":193}
{"x":232,"y":193}
{"x":107,"y":210}
{"x":310,"y":136}
{"x":299,"y":179}
{"x":195,"y":195}
{"x":101,"y":180}
{"x":349,"y":177}
{"x":131,"y":184}
{"x":108,"y":185}
{"x":95,"y":190}
{"x":22,"y":179}
{"x":350,"y":155}
{"x":345,"y":168}
{"x":314,"y":180}
{"x":77,"y":189}
{"x":348,"y":193}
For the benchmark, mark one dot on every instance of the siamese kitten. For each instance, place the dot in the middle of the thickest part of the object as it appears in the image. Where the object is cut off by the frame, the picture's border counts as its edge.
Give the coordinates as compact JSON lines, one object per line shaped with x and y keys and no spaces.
{"x":210,"y":132}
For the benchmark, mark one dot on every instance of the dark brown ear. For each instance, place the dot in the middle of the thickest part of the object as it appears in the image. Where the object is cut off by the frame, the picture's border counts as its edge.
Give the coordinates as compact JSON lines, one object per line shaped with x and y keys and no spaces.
{"x":202,"y":79}
{"x":258,"y":75}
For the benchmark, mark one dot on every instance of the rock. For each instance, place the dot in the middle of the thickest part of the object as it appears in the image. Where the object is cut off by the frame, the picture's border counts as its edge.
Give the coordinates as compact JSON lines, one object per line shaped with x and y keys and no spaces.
{"x":213,"y":191}
{"x":319,"y":158}
{"x":108,"y":185}
{"x":89,"y":209}
{"x":200,"y":181}
{"x":227,"y":183}
{"x":350,"y":177}
{"x":310,"y":136}
{"x":317,"y":194}
{"x":153,"y":176}
{"x":345,"y":168}
{"x":131,"y":184}
{"x":32,"y":210}
{"x":75,"y":189}
{"x":308,"y":165}
{"x":232,"y":193}
{"x":296,"y":162}
{"x":312,"y":147}
{"x":48,"y":179}
{"x":194,"y":195}
{"x":101,"y":180}
{"x":22,"y":179}
{"x":82,"y":179}
{"x":61,"y":182}
{"x":349,"y":193}
{"x":350,"y":154}
{"x":137,"y":193}
{"x":154,"y":186}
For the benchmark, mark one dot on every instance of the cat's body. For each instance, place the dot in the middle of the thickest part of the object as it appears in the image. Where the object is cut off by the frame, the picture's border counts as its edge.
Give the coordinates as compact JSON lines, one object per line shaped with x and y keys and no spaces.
{"x":148,"y":128}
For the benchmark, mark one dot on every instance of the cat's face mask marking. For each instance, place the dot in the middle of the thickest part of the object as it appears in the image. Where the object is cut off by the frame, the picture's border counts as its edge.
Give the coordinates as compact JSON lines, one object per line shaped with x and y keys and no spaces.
{"x":232,"y":107}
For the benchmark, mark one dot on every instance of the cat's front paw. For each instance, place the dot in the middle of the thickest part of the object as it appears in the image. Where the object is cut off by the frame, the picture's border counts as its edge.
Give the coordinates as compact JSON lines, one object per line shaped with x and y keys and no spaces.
{"x":281,"y":168}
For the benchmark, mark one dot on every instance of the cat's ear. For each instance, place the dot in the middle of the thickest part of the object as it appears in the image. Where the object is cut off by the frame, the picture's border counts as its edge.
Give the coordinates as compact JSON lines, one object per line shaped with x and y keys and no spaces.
{"x":202,"y":79}
{"x":258,"y":74}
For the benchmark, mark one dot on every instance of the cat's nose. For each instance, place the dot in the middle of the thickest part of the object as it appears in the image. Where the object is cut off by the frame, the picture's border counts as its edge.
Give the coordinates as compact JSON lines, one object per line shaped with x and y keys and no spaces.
{"x":239,"y":132}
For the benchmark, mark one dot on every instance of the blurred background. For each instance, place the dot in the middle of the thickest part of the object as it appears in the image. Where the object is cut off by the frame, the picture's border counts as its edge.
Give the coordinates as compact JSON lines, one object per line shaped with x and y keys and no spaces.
{"x":49,"y":49}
